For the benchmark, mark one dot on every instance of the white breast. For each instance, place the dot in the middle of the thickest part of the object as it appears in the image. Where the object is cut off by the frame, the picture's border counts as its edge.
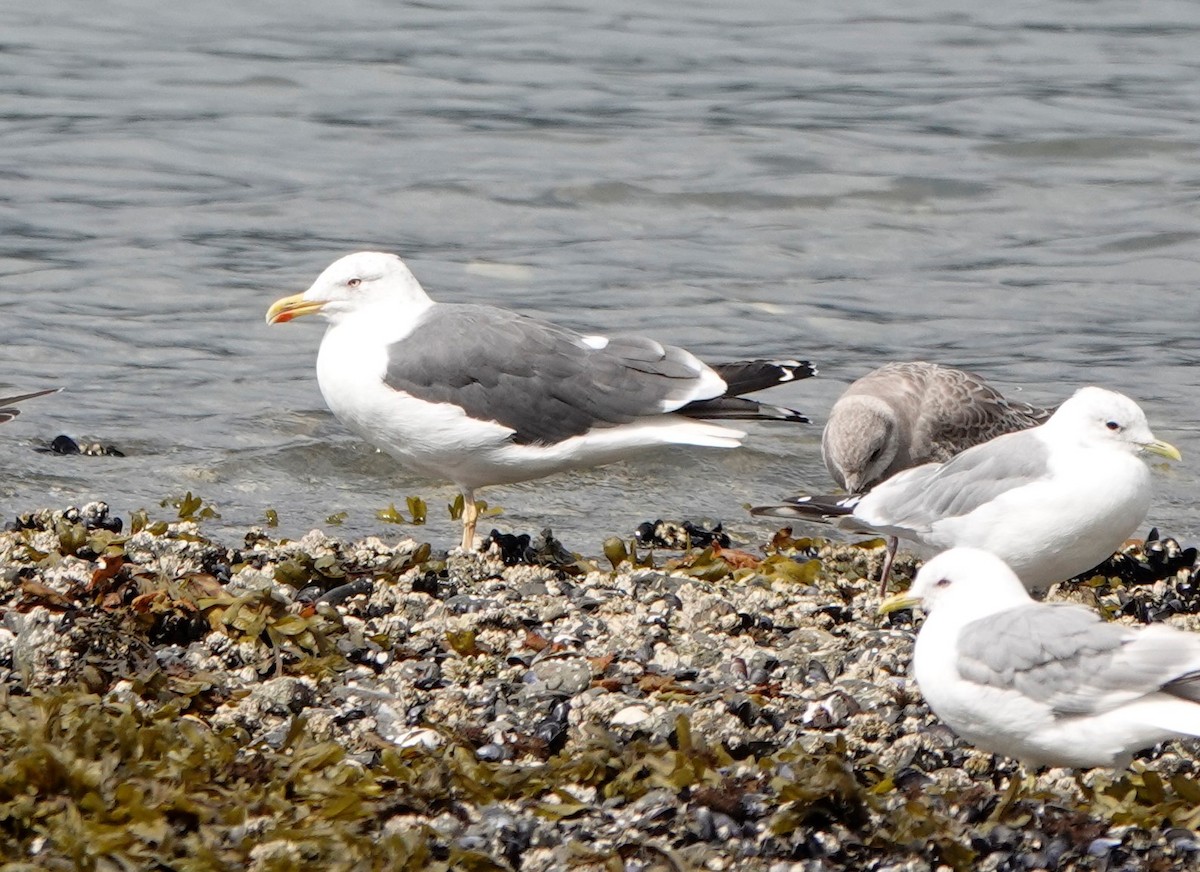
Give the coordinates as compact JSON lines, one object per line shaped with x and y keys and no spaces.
{"x":432,"y":438}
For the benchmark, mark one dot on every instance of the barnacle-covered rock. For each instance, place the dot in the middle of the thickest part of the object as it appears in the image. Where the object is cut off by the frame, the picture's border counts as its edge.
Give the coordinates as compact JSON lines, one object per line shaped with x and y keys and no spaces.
{"x":523,"y":549}
{"x":680,"y":535}
{"x":362,"y":704}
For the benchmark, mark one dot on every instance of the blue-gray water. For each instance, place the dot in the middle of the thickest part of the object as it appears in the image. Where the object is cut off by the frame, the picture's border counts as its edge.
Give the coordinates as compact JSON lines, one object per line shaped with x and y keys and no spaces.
{"x":1011,"y":187}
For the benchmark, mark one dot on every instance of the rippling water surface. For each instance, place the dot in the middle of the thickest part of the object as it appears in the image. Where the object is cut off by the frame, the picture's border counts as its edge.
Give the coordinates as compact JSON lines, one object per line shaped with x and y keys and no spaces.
{"x":1014,"y":189}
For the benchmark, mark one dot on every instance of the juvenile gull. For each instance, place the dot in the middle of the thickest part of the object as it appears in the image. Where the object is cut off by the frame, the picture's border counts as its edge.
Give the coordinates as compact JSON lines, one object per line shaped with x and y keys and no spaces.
{"x":1052,"y":501}
{"x":1048,"y":684}
{"x":8,"y":409}
{"x":481,"y":395}
{"x":907,"y":414}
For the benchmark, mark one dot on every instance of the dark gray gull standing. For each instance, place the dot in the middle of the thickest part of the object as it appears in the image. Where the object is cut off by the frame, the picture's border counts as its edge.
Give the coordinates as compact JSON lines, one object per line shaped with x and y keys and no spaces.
{"x":1052,"y":501}
{"x":906,"y":414}
{"x":1051,"y":684}
{"x":480,"y":395}
{"x":8,"y":409}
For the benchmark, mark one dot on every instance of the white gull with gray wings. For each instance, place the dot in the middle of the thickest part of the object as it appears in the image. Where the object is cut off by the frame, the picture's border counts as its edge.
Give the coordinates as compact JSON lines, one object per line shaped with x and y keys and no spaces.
{"x":1052,"y":501}
{"x":481,"y":395}
{"x":1049,"y":684}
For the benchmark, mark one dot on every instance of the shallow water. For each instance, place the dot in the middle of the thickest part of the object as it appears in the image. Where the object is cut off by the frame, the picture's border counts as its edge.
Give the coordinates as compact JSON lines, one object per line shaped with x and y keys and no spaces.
{"x":1014,"y":189}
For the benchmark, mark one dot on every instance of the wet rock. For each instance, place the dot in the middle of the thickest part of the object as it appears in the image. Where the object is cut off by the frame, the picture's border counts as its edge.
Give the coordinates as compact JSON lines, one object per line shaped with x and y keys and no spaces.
{"x":1147,"y":561}
{"x":631,"y":716}
{"x":524,"y":549}
{"x":680,"y":536}
{"x":66,"y":445}
{"x":565,"y":676}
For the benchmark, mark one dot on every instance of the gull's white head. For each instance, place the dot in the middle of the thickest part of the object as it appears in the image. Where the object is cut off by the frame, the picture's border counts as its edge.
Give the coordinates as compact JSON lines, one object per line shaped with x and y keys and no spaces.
{"x":1098,"y":416}
{"x":364,"y":280}
{"x":968,"y":582}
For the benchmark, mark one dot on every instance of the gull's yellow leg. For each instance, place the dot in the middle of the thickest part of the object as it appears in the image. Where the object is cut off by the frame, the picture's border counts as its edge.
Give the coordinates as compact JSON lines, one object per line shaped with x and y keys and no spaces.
{"x":470,"y":517}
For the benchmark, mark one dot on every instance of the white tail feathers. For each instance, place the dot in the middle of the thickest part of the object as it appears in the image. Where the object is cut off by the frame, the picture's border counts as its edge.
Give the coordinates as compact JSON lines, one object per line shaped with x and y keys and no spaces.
{"x":1167,"y":713}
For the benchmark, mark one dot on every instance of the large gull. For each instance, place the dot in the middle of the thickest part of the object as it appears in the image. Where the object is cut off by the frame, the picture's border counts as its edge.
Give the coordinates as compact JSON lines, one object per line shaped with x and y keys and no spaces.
{"x":1052,"y":501}
{"x":1048,"y":684}
{"x":8,"y":409}
{"x":481,"y":395}
{"x":907,"y":414}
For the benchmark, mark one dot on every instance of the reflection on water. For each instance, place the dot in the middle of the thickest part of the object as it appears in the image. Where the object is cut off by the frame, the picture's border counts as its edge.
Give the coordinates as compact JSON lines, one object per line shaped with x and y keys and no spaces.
{"x":1012,"y":189}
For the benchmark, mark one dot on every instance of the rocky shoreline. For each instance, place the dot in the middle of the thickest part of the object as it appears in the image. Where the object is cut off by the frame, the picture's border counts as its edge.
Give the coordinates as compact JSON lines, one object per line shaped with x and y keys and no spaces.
{"x":175,"y":702}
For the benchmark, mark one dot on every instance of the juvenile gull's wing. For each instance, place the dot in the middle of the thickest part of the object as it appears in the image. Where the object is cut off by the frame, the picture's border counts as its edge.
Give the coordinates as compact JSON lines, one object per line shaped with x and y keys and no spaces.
{"x":959,"y":409}
{"x":905,"y":414}
{"x":544,"y":382}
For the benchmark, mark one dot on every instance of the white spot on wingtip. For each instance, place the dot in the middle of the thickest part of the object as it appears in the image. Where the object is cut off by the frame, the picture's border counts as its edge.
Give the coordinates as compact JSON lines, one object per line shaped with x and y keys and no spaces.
{"x":789,"y":368}
{"x":595,"y":342}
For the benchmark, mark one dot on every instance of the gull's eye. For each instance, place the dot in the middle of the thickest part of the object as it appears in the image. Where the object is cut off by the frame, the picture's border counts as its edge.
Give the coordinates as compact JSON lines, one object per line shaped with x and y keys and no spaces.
{"x":354,"y":283}
{"x":1113,"y":425}
{"x":942,"y":582}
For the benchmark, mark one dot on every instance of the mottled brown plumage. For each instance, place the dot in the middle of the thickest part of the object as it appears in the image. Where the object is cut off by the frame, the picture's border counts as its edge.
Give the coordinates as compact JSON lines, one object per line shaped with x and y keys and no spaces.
{"x":906,"y":414}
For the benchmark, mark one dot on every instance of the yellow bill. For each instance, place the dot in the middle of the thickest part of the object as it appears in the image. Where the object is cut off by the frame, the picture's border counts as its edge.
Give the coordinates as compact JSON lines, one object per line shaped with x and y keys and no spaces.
{"x":1166,"y":449}
{"x":897,"y":602}
{"x":291,"y":307}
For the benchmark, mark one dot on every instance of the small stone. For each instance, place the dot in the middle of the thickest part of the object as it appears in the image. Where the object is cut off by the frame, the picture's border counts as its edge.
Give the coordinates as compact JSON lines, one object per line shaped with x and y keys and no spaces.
{"x":630,"y":716}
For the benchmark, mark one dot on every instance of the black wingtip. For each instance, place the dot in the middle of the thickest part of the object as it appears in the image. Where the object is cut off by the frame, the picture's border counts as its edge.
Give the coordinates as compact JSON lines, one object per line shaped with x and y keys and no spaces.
{"x":817,"y":508}
{"x":10,"y":401}
{"x":8,"y":409}
{"x":796,"y":369}
{"x":741,"y":409}
{"x":748,"y":376}
{"x":782,"y":413}
{"x":783,"y":370}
